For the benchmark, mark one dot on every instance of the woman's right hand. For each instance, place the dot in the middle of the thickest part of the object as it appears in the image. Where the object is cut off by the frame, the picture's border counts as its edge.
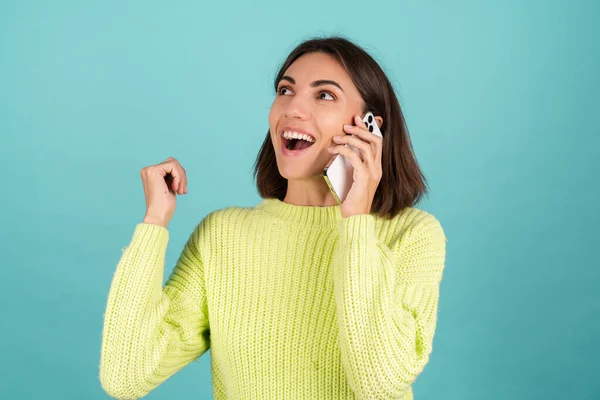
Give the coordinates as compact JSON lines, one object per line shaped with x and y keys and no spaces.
{"x":162,"y":182}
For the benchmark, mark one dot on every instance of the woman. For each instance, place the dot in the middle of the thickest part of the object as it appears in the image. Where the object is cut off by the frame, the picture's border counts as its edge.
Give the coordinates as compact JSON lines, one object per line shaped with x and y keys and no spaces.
{"x":298,"y":297}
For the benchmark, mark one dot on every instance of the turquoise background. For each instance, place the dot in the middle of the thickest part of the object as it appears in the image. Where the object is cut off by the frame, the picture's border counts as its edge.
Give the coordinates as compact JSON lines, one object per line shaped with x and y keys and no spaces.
{"x":501,"y":100}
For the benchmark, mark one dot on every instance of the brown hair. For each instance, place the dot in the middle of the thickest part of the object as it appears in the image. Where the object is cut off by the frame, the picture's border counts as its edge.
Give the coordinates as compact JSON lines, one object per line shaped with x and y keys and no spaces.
{"x":402,"y":183}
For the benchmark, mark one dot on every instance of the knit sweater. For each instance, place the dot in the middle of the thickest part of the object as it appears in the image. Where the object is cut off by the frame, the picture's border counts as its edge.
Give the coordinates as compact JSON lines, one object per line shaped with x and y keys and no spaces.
{"x":295,"y":302}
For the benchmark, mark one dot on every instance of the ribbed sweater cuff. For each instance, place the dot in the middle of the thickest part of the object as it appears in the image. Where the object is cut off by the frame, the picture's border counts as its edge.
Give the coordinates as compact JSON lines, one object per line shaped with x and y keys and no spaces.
{"x":151,"y":240}
{"x":358,"y":227}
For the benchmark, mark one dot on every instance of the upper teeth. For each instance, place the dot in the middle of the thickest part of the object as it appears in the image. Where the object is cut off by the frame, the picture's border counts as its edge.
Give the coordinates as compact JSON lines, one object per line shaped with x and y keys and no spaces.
{"x":296,"y":135}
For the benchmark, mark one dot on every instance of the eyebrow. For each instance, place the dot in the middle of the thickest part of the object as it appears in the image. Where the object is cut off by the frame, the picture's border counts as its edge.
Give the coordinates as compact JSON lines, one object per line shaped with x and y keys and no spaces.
{"x":320,"y":82}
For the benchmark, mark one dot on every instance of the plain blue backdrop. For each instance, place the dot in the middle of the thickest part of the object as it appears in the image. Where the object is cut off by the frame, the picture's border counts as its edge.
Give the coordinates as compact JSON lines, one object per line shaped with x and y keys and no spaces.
{"x":501,"y":100}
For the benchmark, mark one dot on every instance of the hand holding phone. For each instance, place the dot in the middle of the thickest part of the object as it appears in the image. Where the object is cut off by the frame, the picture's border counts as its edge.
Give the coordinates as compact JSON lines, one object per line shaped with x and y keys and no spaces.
{"x":339,"y":175}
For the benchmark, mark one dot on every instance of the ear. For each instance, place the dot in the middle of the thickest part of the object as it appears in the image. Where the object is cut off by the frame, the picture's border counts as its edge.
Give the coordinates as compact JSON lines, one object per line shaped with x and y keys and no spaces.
{"x":379,"y":121}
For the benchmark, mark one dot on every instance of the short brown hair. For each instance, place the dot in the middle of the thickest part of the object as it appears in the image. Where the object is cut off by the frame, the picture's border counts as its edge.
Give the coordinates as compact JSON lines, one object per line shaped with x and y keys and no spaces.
{"x":402,"y":183}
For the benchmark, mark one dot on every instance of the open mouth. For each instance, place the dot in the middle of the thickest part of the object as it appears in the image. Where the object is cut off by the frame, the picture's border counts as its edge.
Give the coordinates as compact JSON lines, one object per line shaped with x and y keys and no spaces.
{"x":296,"y":141}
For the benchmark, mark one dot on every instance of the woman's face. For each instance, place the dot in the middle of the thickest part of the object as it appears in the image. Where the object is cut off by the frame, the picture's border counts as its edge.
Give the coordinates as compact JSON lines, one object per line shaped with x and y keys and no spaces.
{"x":316,"y":97}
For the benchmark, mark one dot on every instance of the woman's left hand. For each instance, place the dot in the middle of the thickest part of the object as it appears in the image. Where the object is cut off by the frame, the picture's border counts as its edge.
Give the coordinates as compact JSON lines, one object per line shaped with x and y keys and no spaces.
{"x":367,"y":166}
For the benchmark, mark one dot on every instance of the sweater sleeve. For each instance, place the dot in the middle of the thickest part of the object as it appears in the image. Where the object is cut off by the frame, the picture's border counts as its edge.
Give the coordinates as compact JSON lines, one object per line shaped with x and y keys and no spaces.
{"x":386,"y":301}
{"x":150,"y":331}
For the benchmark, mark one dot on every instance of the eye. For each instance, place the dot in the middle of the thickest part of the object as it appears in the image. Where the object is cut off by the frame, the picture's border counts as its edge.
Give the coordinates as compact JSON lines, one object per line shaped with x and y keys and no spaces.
{"x":324,"y":93}
{"x":281,"y":90}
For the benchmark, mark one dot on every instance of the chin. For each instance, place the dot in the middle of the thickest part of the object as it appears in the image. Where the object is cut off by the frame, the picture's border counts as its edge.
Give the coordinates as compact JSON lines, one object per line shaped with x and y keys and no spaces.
{"x":294,"y":173}
{"x":306,"y":166}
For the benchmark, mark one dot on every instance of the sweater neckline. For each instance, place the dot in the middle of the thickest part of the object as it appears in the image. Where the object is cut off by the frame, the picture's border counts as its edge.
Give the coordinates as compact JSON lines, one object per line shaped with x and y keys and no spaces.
{"x":293,"y":214}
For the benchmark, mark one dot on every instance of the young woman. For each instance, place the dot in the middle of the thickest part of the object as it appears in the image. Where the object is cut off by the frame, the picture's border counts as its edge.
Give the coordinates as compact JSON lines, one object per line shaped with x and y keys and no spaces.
{"x":297,"y":297}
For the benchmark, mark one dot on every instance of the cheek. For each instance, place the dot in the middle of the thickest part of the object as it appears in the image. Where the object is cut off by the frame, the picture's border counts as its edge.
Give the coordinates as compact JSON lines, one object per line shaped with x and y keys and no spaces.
{"x":274,"y":114}
{"x":331,"y":124}
{"x":273,"y":121}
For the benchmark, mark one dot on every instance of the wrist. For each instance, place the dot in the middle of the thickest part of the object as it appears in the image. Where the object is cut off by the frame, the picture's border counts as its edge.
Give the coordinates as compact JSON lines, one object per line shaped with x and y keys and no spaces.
{"x":149,"y":219}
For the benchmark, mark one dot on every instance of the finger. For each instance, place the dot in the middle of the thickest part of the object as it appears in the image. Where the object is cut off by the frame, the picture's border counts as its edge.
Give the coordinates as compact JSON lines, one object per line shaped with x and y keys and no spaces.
{"x":183,"y":180}
{"x":350,"y":154}
{"x":366,"y":150}
{"x":180,"y":179}
{"x":176,"y":179}
{"x":363,"y":133}
{"x":171,"y":167}
{"x":359,"y":122}
{"x":174,"y":167}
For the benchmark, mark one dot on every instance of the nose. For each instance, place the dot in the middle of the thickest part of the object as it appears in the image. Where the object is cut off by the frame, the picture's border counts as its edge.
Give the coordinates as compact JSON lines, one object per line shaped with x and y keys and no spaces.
{"x":298,"y":107}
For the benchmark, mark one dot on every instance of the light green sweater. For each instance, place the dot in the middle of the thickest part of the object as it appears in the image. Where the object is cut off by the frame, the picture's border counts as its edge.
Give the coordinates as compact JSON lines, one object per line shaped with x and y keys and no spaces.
{"x":295,"y":302}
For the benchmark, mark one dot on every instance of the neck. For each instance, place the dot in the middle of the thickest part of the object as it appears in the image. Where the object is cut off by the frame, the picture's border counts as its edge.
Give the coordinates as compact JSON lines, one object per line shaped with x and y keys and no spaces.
{"x":313,"y":192}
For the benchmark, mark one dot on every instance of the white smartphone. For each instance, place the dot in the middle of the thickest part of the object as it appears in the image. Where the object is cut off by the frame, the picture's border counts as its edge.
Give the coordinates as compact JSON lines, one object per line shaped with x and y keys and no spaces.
{"x":339,"y":174}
